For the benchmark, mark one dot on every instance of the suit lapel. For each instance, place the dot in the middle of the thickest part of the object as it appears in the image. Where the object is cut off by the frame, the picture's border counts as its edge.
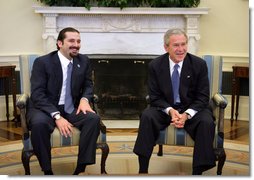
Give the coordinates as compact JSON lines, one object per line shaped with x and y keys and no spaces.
{"x":57,"y":71}
{"x":75,"y":71}
{"x":166,"y":80}
{"x":185,"y":77}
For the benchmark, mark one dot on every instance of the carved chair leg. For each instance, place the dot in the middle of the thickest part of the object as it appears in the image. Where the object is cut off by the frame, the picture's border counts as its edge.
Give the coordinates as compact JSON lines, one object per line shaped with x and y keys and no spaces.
{"x":105,"y":151}
{"x":25,"y":157}
{"x":221,"y":157}
{"x":160,"y":151}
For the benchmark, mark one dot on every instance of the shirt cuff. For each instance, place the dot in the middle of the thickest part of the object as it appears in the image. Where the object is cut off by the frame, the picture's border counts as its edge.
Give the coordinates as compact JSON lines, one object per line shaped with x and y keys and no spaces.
{"x":191,"y":112}
{"x":54,"y":113}
{"x":167,"y":110}
{"x":85,"y":99}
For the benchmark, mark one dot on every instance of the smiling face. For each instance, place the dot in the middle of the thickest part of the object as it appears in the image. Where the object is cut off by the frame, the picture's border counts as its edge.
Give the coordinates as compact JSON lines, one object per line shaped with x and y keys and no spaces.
{"x":70,"y":45}
{"x":177,"y":47}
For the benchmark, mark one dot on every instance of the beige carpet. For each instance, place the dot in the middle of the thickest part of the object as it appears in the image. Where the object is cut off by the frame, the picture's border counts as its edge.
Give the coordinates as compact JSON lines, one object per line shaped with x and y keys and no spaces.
{"x":122,"y":162}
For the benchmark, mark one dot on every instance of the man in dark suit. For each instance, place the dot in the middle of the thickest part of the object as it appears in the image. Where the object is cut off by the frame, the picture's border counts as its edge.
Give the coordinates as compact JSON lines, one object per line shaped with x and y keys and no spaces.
{"x":181,"y":102}
{"x":52,"y":105}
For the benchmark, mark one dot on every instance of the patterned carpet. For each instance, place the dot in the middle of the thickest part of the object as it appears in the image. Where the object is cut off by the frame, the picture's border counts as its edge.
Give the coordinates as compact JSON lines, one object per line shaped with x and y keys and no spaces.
{"x":122,"y":162}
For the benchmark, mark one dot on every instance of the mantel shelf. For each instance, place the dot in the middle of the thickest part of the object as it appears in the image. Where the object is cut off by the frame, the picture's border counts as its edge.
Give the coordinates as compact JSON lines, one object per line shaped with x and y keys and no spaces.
{"x":127,"y":30}
{"x":110,"y":11}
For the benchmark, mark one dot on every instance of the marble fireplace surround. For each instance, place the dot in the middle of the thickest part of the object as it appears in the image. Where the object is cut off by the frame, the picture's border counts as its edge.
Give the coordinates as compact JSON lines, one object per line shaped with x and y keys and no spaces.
{"x":120,"y":44}
{"x":130,"y":31}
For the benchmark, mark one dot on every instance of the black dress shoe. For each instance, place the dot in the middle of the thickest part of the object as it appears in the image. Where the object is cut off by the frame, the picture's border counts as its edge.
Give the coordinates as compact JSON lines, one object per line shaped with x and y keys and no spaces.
{"x":79,"y":169}
{"x":48,"y":172}
{"x":143,"y":172}
{"x":197,"y":171}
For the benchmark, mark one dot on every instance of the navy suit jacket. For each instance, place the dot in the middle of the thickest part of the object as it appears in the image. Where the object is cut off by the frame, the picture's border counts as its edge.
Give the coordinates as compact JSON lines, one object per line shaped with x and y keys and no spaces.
{"x":47,"y":79}
{"x":194,"y":83}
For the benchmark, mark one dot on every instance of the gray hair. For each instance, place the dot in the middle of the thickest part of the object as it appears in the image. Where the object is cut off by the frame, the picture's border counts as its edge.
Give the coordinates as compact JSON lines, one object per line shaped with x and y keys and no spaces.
{"x":171,"y":32}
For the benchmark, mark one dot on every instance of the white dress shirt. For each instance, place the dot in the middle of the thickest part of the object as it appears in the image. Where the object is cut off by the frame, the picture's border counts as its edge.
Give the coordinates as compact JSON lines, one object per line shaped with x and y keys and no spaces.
{"x":64,"y":64}
{"x":191,"y":112}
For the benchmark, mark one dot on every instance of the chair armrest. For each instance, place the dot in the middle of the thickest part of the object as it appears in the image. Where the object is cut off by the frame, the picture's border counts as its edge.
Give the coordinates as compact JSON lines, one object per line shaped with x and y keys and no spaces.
{"x":95,"y":99}
{"x":103,"y":128}
{"x":147,"y":99}
{"x":219,"y":103}
{"x":220,"y":100}
{"x":21,"y":104}
{"x":94,"y":103}
{"x":22,"y":101}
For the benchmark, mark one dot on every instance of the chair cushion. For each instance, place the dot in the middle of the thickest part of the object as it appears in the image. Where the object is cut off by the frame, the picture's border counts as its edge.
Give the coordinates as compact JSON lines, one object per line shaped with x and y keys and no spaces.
{"x":177,"y":136}
{"x":57,"y":140}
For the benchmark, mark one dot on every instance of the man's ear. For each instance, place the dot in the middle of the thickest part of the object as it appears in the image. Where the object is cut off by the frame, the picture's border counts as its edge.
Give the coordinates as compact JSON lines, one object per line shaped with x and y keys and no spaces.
{"x":59,"y":43}
{"x":166,"y":47}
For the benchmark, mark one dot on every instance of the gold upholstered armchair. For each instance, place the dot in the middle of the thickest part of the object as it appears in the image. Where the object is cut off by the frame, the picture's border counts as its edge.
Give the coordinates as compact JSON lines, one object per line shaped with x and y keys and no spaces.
{"x":179,"y":137}
{"x":57,"y":140}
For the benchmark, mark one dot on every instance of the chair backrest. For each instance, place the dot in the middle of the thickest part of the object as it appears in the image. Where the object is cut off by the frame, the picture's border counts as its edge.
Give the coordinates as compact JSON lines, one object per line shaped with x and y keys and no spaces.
{"x":214,"y":64}
{"x":26,"y":64}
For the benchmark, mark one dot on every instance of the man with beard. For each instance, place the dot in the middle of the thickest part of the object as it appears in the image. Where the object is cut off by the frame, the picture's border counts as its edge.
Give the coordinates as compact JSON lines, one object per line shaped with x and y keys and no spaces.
{"x":61,"y":89}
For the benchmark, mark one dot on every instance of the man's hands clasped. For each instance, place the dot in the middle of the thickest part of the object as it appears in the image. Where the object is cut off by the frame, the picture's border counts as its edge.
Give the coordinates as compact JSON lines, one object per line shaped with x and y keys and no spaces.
{"x":178,"y":120}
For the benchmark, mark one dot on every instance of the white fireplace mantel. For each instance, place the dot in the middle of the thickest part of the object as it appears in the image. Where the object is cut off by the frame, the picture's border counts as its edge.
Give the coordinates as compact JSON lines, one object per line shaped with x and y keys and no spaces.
{"x":116,"y":31}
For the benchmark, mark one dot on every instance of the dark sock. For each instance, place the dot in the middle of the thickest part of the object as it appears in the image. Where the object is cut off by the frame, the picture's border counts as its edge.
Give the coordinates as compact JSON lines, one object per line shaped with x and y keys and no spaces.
{"x":48,"y":172}
{"x":79,"y":169}
{"x":143,"y":164}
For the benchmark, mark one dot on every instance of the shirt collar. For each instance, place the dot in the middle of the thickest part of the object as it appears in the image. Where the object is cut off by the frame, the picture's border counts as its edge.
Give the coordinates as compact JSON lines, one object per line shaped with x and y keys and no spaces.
{"x":64,"y":61}
{"x":172,"y":64}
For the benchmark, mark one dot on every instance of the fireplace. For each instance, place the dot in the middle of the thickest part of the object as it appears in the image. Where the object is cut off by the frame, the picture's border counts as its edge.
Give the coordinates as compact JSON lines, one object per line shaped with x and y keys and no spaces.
{"x":120,"y":43}
{"x":120,"y":81}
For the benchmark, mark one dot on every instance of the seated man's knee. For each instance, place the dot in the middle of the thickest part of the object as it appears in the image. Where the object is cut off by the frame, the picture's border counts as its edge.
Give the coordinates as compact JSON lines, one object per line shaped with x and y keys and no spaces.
{"x":40,"y":129}
{"x":208,"y":122}
{"x":146,"y":114}
{"x":41,"y":124}
{"x":95,"y":118}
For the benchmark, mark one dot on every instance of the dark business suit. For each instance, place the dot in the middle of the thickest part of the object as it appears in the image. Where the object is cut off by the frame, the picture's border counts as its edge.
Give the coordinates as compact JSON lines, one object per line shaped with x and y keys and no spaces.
{"x":46,"y":85}
{"x":194,"y":94}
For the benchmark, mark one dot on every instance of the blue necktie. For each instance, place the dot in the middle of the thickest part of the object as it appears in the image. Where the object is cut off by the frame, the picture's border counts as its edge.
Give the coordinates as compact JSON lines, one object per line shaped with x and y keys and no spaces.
{"x":175,"y":83}
{"x":68,"y":106}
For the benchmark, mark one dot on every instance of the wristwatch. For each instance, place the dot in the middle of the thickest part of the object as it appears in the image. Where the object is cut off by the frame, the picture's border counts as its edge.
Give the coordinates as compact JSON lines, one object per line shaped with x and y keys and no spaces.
{"x":57,"y":116}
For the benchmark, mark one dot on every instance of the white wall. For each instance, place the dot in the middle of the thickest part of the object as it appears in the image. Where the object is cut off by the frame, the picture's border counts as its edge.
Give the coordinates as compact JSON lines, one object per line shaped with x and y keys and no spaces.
{"x":21,"y":28}
{"x":224,"y":31}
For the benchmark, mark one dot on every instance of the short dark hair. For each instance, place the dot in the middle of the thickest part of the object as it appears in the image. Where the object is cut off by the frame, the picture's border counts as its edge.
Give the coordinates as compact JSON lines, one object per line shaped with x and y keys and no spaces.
{"x":61,"y":35}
